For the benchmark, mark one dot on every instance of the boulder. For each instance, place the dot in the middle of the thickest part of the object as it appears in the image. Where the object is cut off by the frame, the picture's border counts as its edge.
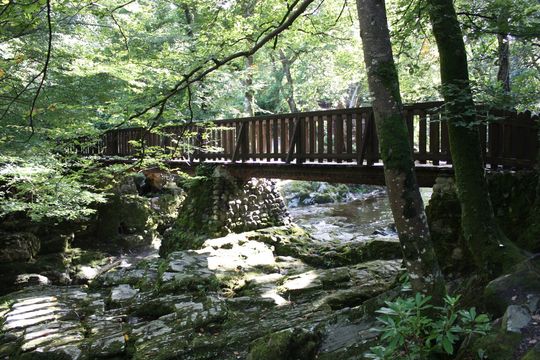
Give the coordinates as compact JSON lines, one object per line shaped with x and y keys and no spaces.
{"x":21,"y":246}
{"x":293,"y":343}
{"x":517,"y":288}
{"x":516,"y":318}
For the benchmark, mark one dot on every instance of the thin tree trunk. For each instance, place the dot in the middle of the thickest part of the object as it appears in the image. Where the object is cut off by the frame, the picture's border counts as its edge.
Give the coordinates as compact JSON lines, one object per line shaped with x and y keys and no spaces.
{"x":403,"y":193}
{"x":286,"y":64}
{"x":503,"y":50}
{"x":249,"y":94}
{"x":492,"y":251}
{"x":503,"y":74}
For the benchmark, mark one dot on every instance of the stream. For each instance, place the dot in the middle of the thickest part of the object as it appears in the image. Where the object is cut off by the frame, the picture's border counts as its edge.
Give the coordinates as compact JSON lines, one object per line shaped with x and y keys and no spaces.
{"x":360,"y":219}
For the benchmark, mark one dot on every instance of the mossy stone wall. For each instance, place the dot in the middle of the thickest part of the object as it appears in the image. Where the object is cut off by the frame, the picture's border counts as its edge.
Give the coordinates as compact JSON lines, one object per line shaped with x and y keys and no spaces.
{"x":217,"y":204}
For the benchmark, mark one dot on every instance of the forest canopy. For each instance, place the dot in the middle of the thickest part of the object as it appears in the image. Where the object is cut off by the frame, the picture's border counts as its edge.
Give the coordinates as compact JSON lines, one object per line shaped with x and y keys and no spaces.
{"x":70,"y":70}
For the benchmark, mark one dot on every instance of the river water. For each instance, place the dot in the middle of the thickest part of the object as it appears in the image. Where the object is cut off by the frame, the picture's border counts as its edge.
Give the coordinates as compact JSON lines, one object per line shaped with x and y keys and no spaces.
{"x":368,"y":215}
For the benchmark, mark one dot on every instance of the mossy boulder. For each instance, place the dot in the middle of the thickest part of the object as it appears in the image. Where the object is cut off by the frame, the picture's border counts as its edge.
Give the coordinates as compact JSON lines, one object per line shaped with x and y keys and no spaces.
{"x":497,"y":346}
{"x":513,"y":195}
{"x":194,"y":222}
{"x":515,"y":288}
{"x":288,"y":344}
{"x":533,"y":354}
{"x":123,"y":216}
{"x":376,"y":248}
{"x":20,"y":246}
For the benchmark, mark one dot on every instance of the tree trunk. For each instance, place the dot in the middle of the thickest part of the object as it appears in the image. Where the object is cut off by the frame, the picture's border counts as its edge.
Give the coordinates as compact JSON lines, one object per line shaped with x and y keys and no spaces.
{"x":403,"y":193}
{"x":286,"y":64}
{"x":492,"y":251}
{"x":503,"y":74}
{"x":249,"y":94}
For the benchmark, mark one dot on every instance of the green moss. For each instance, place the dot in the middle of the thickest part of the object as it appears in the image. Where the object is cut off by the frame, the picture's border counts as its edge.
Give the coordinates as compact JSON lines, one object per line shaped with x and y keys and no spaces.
{"x":499,"y":346}
{"x":193,"y":224}
{"x":394,"y":143}
{"x":387,"y":73}
{"x":289,"y":344}
{"x":533,"y":354}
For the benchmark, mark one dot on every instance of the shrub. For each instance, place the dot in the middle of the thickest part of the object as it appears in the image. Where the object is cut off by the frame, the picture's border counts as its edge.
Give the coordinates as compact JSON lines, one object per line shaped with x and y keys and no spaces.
{"x":412,"y":329}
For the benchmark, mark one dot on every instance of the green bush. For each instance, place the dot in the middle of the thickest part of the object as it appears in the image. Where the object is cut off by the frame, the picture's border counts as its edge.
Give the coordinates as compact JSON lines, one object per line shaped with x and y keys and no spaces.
{"x":412,"y":329}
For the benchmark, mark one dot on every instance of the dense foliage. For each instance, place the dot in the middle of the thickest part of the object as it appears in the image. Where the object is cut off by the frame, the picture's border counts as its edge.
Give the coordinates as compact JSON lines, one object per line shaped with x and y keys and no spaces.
{"x":70,"y":70}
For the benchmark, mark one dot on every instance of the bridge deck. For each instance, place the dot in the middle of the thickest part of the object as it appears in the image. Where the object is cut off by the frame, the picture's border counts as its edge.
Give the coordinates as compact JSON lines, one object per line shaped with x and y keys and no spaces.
{"x":336,"y":145}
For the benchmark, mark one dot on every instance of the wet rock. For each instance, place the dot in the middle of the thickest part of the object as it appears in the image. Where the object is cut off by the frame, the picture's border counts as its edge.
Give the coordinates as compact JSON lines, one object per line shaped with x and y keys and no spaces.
{"x":294,"y":343}
{"x":106,"y":347}
{"x":515,"y":288}
{"x":24,"y":280}
{"x":516,"y":318}
{"x":186,"y":270}
{"x":347,"y":340}
{"x":122,"y":294}
{"x":355,"y":252}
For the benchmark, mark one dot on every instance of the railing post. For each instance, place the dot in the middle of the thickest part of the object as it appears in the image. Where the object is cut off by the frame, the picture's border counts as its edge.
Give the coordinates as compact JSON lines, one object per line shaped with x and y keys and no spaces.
{"x":300,"y":141}
{"x":245,"y":141}
{"x":372,"y":148}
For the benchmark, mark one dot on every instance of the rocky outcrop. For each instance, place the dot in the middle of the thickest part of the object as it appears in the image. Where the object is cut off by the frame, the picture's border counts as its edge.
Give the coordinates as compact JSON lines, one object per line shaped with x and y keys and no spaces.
{"x":22,"y":246}
{"x":234,"y":298}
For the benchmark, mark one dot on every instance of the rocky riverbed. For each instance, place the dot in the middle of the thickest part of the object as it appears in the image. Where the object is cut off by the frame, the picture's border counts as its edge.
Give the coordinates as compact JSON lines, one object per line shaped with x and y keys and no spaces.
{"x":274,"y":293}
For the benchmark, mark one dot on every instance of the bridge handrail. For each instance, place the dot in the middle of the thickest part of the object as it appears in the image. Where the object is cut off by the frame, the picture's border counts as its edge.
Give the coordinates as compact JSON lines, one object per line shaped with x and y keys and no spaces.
{"x":331,"y":136}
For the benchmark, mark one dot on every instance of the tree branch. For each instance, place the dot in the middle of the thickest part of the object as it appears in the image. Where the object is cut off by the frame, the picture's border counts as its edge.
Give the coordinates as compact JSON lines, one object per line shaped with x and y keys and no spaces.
{"x":199,"y":73}
{"x":44,"y":71}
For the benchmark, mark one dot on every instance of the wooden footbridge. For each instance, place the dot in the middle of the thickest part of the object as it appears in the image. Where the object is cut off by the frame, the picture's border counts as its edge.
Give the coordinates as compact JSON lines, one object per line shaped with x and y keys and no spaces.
{"x":335,"y":145}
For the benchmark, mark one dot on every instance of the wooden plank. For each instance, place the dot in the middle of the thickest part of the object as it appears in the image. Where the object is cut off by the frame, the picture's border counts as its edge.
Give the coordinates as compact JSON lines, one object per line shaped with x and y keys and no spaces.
{"x":422,"y":135}
{"x":493,"y":144}
{"x":300,"y":145}
{"x":283,"y":131}
{"x":349,"y":131}
{"x":364,"y":139}
{"x":434,"y":132}
{"x":275,"y":138}
{"x":312,"y":137}
{"x":295,"y":132}
{"x":329,"y":136}
{"x":359,"y":126}
{"x":339,"y":136}
{"x":253,"y":139}
{"x":268,"y":135}
{"x":372,"y":155}
{"x":320,"y":136}
{"x":260,"y":148}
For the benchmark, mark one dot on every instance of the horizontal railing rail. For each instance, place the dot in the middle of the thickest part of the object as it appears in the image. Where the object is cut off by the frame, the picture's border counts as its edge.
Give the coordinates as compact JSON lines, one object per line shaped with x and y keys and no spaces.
{"x":340,"y":136}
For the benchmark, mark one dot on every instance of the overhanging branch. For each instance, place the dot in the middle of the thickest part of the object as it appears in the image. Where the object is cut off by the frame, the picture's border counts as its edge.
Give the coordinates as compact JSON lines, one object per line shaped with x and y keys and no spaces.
{"x":199,"y":72}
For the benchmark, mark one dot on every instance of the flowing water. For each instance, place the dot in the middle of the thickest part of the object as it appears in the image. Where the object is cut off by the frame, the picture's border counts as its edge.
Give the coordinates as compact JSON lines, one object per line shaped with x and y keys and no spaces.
{"x":359,"y":219}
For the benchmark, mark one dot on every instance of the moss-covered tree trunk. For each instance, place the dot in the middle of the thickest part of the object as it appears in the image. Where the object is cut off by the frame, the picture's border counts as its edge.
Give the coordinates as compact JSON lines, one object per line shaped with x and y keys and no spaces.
{"x":492,"y":251}
{"x":405,"y":200}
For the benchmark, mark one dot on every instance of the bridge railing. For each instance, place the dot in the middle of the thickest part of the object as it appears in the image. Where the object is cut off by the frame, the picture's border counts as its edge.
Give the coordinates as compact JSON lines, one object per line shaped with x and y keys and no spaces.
{"x":342,"y":136}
